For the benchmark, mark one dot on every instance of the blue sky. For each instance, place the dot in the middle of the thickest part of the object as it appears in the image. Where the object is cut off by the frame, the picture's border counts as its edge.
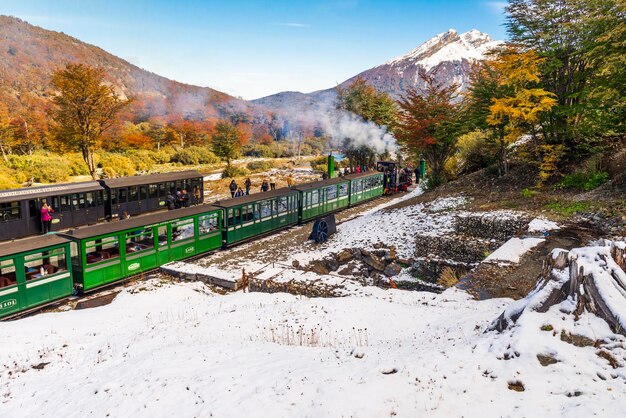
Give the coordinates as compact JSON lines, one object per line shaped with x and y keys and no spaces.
{"x":256,"y":48}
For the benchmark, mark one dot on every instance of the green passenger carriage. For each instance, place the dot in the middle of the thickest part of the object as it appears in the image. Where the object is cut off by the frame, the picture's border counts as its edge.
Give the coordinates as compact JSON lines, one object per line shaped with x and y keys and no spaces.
{"x":105,"y":253}
{"x":248,"y":216}
{"x":322,"y":197}
{"x":365,"y":186}
{"x":34,"y":271}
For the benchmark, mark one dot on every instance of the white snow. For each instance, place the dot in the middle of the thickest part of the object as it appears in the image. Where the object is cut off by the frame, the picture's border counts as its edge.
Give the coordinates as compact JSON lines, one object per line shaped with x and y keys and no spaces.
{"x":449,"y":47}
{"x":542,"y":225}
{"x":513,"y":250}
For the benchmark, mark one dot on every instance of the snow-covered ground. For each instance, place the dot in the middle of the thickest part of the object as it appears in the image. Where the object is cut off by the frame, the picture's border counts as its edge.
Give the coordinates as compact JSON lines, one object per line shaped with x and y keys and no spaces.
{"x":164,"y":348}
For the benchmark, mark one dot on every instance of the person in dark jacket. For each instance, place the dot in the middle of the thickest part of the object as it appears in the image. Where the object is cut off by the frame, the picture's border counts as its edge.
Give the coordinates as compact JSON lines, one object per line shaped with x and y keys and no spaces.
{"x":185,"y":199}
{"x":265,"y":186}
{"x":178,"y":201}
{"x":170,"y":202}
{"x":417,"y":175}
{"x":233,"y":188}
{"x":248,"y":184}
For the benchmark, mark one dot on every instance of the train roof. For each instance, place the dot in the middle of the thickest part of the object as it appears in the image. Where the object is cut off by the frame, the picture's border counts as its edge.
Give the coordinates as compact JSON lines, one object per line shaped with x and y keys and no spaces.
{"x":151,"y":178}
{"x":236,"y":201}
{"x":138,"y":221}
{"x":320,"y":183}
{"x":31,"y":243}
{"x":13,"y":195}
{"x":355,"y":176}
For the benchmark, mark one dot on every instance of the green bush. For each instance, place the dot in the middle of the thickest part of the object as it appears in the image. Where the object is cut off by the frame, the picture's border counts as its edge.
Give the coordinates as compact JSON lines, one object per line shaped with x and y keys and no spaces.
{"x":474,"y":152}
{"x":116,"y":165}
{"x":256,"y":166}
{"x":143,"y":160}
{"x":583,"y":181}
{"x":77,"y":165}
{"x":319,"y":163}
{"x":528,"y":193}
{"x":234,"y":172}
{"x":567,"y":208}
{"x":194,"y":156}
{"x":41,"y":168}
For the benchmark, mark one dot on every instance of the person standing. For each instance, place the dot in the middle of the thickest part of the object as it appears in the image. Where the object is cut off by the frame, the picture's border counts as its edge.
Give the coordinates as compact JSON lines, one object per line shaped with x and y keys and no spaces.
{"x":272,"y":182}
{"x":197,"y":196}
{"x":357,"y":169}
{"x":178,"y":202}
{"x":185,"y":198}
{"x":264,"y":186}
{"x":170,"y":202}
{"x":417,"y":174}
{"x":233,"y":188}
{"x":248,"y":184}
{"x":239,"y":192}
{"x":46,"y":218}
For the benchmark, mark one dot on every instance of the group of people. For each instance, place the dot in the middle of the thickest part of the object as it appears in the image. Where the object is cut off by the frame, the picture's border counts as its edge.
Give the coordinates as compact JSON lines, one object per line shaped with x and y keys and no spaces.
{"x":269,"y":183}
{"x":182,"y":199}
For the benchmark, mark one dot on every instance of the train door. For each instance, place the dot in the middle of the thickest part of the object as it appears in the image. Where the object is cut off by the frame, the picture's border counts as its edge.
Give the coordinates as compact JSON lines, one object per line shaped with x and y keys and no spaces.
{"x":122,"y":201}
{"x":10,"y":295}
{"x":65,"y":211}
{"x":79,"y":209}
{"x":163,"y":243}
{"x":132,"y":207}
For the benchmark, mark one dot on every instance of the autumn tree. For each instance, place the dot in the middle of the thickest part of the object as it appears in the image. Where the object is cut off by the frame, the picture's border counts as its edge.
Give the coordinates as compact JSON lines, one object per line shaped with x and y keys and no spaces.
{"x":429,"y":125}
{"x":85,"y":107}
{"x":7,"y":130}
{"x":521,"y":102}
{"x":227,"y":142}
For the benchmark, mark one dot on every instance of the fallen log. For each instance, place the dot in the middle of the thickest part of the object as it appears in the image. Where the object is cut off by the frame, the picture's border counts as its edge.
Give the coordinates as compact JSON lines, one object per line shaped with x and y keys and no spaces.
{"x":591,"y":278}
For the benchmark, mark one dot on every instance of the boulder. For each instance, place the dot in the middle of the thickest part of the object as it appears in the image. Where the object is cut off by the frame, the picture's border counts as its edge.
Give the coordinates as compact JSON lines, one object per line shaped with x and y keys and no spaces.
{"x":345,"y":256}
{"x":318,"y":266}
{"x":295,"y":263}
{"x":392,"y":269}
{"x":331,"y":263}
{"x":374,"y":262}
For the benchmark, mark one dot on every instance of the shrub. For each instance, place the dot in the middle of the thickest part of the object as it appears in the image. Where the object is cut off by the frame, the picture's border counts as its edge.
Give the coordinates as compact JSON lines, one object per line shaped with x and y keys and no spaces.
{"x":143,"y":160}
{"x":194,"y":156}
{"x":567,"y":208}
{"x":232,"y":171}
{"x":474,"y":152}
{"x":258,"y":150}
{"x":319,"y":163}
{"x":77,"y":165}
{"x":8,"y":182}
{"x":583,"y":181}
{"x":116,"y":165}
{"x":528,"y":193}
{"x":256,"y":166}
{"x":40,"y":168}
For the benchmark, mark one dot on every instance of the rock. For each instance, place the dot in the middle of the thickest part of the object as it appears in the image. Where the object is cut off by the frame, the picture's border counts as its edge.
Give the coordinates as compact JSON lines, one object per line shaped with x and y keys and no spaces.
{"x":378,"y":245}
{"x":318,"y":267}
{"x":331,"y":264}
{"x":405,"y":261}
{"x":546,"y":359}
{"x":374,"y":262}
{"x":357,"y":254}
{"x":346,"y":271}
{"x":365,"y":272}
{"x":295,"y":263}
{"x":392,"y":269}
{"x":345,"y":256}
{"x":365,"y":253}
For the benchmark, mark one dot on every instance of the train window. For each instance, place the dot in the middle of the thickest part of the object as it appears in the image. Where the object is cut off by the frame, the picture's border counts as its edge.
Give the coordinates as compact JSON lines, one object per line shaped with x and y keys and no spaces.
{"x":231,"y":219}
{"x":152,"y":191}
{"x":9,"y":210}
{"x":45,"y":263}
{"x":257,"y":211}
{"x":7,"y":273}
{"x":208,"y":223}
{"x":123,"y":195}
{"x":162,"y":192}
{"x":343,"y":189}
{"x":162,"y":232}
{"x":182,"y":230}
{"x":81,"y":201}
{"x":143,"y":192}
{"x":282,"y":204}
{"x":55,"y":202}
{"x":266,"y":209}
{"x":114,"y":200}
{"x":102,"y":249}
{"x":74,"y":201}
{"x":139,"y":240}
{"x":65,"y":203}
{"x":315,"y":197}
{"x":101,"y":195}
{"x":171,"y":186}
{"x":90,"y":201}
{"x":331,"y":193}
{"x":132,"y":194}
{"x":247,"y":213}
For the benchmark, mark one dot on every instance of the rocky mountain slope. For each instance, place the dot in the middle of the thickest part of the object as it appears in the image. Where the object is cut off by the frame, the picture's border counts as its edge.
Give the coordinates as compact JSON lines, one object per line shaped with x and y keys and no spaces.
{"x":448,"y":57}
{"x":29,"y":54}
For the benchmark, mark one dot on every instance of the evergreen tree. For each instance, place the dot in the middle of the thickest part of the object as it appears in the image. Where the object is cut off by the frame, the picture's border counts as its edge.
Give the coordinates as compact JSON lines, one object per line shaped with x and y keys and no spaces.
{"x":364,"y":100}
{"x":226,"y":142}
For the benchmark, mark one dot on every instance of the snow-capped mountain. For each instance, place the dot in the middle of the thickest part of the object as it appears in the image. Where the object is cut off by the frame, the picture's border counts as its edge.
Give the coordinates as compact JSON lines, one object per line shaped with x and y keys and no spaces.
{"x":448,"y":57}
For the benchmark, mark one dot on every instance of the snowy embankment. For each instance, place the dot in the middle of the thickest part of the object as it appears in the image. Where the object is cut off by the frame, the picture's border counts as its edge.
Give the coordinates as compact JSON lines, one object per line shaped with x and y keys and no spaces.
{"x":161,"y":348}
{"x":181,"y":348}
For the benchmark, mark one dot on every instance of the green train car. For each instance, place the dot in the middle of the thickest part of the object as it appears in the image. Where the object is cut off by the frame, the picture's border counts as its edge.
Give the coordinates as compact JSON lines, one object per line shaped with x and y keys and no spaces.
{"x":34,"y":271}
{"x":365,"y":186}
{"x":105,"y":253}
{"x":322,"y":197}
{"x":257,"y":214}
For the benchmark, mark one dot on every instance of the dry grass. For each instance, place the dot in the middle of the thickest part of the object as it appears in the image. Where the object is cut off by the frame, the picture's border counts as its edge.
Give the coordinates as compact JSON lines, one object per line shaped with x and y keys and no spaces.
{"x":448,"y":277}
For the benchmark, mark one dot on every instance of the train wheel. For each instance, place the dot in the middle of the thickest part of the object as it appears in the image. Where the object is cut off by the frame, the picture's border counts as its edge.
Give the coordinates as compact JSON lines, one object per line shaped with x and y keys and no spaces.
{"x":322,"y":232}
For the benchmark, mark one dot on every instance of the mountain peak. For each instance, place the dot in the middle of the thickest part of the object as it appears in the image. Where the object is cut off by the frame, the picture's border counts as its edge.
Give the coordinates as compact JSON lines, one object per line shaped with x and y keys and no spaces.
{"x":447,"y":46}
